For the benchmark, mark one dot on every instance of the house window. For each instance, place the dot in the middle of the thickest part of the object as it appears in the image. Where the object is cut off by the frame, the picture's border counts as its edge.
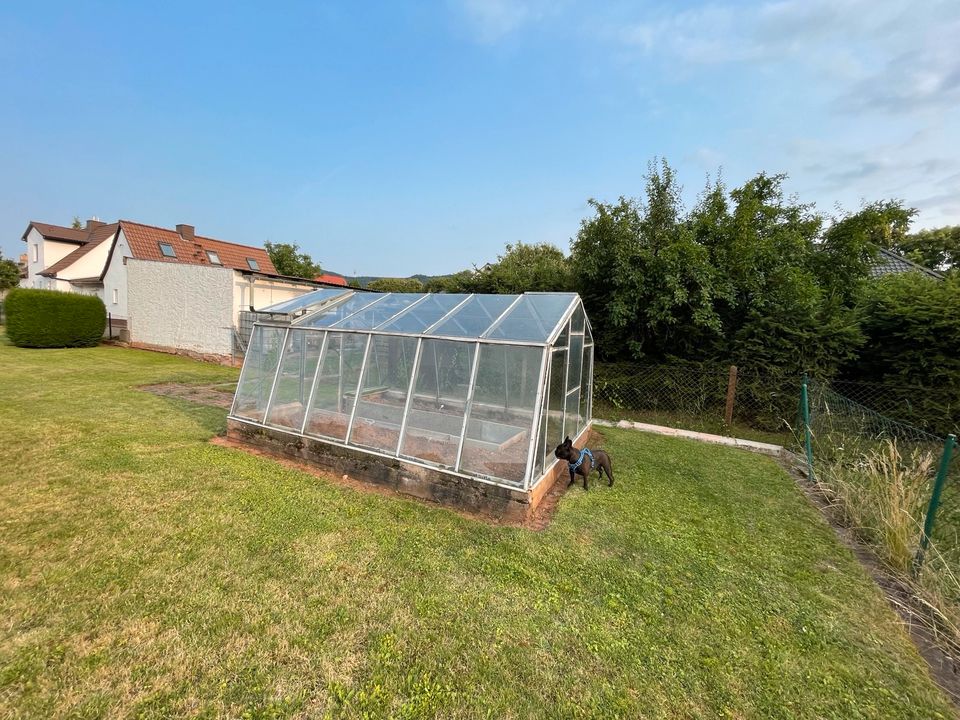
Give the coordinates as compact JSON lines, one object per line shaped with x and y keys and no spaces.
{"x":166,"y":249}
{"x":36,"y":252}
{"x":116,"y":296}
{"x":213,"y":257}
{"x":253,"y":264}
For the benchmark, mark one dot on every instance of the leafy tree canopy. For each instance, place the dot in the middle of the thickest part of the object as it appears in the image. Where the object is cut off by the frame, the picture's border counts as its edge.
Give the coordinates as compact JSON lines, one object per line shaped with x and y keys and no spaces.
{"x":9,"y":273}
{"x":523,"y":267}
{"x":912,"y":327}
{"x":739,"y":278}
{"x":462,"y":281}
{"x":400,"y":285}
{"x":288,"y":260}
{"x":938,"y":248}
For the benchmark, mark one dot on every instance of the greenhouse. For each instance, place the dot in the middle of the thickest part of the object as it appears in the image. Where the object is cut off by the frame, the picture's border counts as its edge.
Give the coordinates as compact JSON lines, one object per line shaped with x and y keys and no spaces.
{"x":481,"y":387}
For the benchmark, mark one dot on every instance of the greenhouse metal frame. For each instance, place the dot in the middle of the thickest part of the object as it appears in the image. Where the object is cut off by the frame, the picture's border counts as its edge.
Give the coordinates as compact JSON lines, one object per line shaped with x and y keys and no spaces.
{"x":476,"y":386}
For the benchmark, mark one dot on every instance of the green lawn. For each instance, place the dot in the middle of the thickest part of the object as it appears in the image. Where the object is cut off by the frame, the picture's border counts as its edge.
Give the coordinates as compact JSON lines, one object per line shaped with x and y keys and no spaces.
{"x":145,"y":572}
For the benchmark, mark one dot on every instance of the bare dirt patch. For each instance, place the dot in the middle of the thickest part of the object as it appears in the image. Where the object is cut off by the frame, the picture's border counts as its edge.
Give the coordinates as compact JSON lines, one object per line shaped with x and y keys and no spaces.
{"x":214,"y":395}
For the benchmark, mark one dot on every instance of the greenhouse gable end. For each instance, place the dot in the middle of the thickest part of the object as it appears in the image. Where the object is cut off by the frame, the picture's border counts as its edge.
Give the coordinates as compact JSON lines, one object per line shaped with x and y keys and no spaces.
{"x":454,"y":398}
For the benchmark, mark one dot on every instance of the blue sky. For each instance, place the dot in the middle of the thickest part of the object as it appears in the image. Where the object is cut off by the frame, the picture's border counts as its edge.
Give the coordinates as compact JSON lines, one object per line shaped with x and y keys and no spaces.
{"x":393,"y":138}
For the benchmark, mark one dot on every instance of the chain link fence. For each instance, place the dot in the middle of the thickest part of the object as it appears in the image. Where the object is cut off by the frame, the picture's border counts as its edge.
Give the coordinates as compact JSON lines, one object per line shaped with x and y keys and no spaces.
{"x":927,"y":408}
{"x":721,"y":400}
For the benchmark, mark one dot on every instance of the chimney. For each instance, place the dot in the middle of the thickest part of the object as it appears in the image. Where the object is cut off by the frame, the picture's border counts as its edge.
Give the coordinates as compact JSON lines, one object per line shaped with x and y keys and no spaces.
{"x":186,"y":232}
{"x":94,"y":223}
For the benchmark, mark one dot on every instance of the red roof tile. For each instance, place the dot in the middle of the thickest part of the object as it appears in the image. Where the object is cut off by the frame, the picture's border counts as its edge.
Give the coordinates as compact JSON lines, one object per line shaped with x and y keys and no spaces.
{"x":235,"y":256}
{"x":144,"y":241}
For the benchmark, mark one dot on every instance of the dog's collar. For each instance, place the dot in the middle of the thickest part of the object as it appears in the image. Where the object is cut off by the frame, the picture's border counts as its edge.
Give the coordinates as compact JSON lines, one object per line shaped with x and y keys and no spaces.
{"x":583,"y":454}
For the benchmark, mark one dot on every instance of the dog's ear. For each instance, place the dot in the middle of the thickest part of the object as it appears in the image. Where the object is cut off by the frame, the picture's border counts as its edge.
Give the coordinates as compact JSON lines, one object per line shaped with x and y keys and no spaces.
{"x":567,"y":441}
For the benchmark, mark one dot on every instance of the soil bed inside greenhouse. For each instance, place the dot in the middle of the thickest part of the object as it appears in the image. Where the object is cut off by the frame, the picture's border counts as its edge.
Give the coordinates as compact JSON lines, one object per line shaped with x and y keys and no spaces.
{"x":419,"y":441}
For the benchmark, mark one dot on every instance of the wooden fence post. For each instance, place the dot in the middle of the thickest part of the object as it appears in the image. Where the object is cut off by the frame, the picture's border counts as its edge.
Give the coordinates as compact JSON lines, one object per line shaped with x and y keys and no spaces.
{"x":731,"y":394}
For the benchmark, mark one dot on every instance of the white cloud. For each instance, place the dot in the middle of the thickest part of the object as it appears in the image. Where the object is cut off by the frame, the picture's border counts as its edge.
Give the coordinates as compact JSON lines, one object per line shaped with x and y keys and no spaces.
{"x":492,"y":20}
{"x":878,"y":83}
{"x":915,"y":170}
{"x":882,"y":55}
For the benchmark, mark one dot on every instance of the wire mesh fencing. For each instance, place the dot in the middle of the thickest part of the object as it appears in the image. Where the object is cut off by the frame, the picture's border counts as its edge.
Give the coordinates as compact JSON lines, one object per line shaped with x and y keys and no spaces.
{"x":722,"y":400}
{"x":923,"y":406}
{"x":895,"y":484}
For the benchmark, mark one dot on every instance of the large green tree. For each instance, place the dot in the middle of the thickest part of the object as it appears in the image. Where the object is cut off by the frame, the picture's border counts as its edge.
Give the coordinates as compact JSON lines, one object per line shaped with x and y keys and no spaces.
{"x":646,"y":282}
{"x":289,"y":260}
{"x":850,"y":243}
{"x":736,"y":279}
{"x":9,"y":273}
{"x":938,"y":248}
{"x":538,"y":267}
{"x":523,"y":267}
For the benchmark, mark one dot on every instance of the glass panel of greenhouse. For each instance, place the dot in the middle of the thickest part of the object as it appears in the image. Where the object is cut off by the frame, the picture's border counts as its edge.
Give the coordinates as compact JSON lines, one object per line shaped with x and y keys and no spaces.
{"x":481,"y":386}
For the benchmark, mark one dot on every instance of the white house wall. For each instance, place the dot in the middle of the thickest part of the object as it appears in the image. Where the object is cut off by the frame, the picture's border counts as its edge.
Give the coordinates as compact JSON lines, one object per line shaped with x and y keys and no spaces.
{"x":48,"y":252}
{"x":262,"y":292}
{"x":90,"y":265}
{"x":115,"y":278}
{"x":180,"y":307}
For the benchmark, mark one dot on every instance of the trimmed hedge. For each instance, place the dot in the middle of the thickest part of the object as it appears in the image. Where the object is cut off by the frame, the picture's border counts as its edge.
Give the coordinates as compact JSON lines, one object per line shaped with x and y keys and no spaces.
{"x":51,"y":319}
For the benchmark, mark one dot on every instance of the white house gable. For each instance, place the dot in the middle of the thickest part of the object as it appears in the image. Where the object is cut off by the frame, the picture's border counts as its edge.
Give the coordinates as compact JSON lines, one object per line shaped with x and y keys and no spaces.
{"x":41,"y":254}
{"x":115,"y":278}
{"x":89,"y":265}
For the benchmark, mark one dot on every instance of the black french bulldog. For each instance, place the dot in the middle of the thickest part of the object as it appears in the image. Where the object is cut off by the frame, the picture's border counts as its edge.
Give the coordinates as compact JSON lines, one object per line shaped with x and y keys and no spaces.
{"x":582,"y":462}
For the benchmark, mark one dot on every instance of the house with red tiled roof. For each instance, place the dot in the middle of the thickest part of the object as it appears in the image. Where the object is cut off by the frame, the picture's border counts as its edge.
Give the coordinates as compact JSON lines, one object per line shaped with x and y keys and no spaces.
{"x":167,"y":288}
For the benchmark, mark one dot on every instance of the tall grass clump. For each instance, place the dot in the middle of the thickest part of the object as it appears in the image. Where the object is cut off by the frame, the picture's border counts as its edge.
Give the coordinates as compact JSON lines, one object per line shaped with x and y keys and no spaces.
{"x":882,"y":495}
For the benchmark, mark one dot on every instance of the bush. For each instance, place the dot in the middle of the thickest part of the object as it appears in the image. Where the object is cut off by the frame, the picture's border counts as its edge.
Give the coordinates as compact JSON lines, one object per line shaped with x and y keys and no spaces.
{"x":48,"y":319}
{"x":912,"y":329}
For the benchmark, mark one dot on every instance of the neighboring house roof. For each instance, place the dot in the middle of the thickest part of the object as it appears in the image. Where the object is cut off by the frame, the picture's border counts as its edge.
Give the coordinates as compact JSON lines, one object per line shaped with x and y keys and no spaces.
{"x":145,"y":242}
{"x":235,"y":256}
{"x":101,"y":234}
{"x":331,"y":279}
{"x":887,"y":262}
{"x":58,"y":232}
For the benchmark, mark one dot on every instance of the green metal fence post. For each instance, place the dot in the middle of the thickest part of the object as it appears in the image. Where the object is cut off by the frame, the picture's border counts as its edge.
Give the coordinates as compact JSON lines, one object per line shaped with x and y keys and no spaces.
{"x":805,"y":409}
{"x":938,"y":484}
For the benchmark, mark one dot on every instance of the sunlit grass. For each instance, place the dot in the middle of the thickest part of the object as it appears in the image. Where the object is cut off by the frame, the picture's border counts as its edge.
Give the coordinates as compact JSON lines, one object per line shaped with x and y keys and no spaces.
{"x":145,"y":572}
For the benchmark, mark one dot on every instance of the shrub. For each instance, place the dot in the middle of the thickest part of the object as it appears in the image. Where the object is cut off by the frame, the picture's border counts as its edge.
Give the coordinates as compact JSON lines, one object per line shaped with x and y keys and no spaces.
{"x":912,"y":329}
{"x":48,"y":319}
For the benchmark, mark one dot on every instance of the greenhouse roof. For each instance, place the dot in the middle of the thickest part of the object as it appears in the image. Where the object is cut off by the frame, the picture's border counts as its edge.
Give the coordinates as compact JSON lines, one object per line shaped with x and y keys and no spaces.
{"x":532,"y":317}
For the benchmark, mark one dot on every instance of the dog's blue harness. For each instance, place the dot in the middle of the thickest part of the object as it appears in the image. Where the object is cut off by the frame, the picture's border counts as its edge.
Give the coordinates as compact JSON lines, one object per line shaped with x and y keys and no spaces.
{"x":583,"y":455}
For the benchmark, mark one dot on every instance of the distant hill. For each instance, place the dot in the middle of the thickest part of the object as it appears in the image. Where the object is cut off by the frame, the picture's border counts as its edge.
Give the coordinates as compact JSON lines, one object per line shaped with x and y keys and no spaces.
{"x":364,"y":280}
